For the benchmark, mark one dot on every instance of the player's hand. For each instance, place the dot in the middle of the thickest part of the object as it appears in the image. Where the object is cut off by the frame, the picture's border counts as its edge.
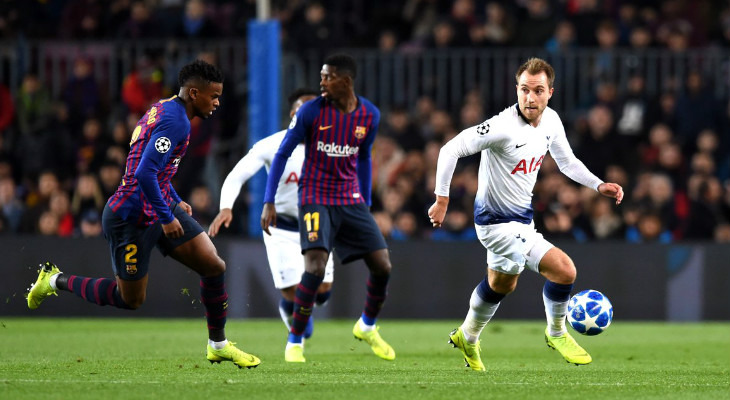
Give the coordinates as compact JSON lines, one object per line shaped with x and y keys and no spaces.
{"x":186,"y":207}
{"x":173,"y":230}
{"x":612,"y":190}
{"x":437,"y":212}
{"x":268,"y":217}
{"x":224,"y":217}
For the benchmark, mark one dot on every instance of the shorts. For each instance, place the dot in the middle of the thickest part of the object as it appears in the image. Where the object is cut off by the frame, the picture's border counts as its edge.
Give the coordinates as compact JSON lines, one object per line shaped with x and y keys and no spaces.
{"x":350,"y":231}
{"x":285,"y":258}
{"x":512,"y":246}
{"x":131,"y":244}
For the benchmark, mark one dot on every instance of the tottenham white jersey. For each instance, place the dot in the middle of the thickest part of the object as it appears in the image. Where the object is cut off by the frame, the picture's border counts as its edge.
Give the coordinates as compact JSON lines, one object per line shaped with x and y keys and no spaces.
{"x":260,"y":155}
{"x":512,"y":153}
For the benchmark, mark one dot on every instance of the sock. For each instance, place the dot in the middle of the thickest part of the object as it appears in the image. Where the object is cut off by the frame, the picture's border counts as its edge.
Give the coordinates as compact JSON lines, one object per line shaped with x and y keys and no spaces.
{"x":101,"y":291}
{"x":215,"y":299}
{"x":286,"y":309}
{"x":482,"y":305}
{"x":306,"y":291}
{"x":377,"y":291}
{"x":52,"y":280}
{"x":556,"y":297}
{"x":322,"y":298}
{"x":218,"y":345}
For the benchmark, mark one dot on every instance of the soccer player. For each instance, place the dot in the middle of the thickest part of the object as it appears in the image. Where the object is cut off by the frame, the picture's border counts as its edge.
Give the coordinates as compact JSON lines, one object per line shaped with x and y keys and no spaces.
{"x":513,"y":145}
{"x":338,"y":129}
{"x":282,"y":246}
{"x":146,"y":212}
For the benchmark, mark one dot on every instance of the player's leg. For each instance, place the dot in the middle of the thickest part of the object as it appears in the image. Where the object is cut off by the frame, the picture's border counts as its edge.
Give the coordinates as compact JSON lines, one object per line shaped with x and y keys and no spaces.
{"x":483,"y":304}
{"x":315,"y":230}
{"x":560,"y":272}
{"x":196,"y":251}
{"x":314,"y":264}
{"x":360,"y":237}
{"x":284,"y":254}
{"x":130,"y":251}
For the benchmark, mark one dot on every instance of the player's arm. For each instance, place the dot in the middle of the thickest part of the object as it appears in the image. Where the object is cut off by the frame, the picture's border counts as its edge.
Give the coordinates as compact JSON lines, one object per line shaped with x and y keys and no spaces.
{"x":180,"y":203}
{"x":151,"y":162}
{"x":294,"y":135}
{"x":242,"y":172}
{"x":469,"y":141}
{"x":574,"y":169}
{"x":364,"y":162}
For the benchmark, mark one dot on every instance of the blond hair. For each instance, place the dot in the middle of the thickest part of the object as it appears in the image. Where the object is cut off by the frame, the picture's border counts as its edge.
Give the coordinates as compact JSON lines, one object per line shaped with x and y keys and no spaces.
{"x":534,"y":66}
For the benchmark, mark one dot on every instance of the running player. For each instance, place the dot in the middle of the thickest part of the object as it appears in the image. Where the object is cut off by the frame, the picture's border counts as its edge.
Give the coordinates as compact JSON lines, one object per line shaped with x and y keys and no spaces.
{"x":513,"y":145}
{"x":282,"y":246}
{"x":146,"y":212}
{"x":338,"y":130}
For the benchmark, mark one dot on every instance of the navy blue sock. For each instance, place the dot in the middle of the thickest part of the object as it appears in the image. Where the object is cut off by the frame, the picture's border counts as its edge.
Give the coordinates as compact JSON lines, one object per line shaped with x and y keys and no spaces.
{"x":322,"y":298}
{"x":215,"y":299}
{"x":303,"y":303}
{"x":286,"y":305}
{"x":486,"y":293}
{"x":101,"y":291}
{"x":556,"y":291}
{"x":377,"y":288}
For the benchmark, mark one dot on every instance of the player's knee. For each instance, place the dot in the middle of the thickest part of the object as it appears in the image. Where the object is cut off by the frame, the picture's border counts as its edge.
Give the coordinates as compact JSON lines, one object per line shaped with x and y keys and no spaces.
{"x":379,"y":263}
{"x":566,"y":271}
{"x":216,"y":267}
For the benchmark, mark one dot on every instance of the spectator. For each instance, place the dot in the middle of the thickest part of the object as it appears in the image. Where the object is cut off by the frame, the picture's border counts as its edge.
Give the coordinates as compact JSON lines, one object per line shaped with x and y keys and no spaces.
{"x":10,"y":206}
{"x":60,"y":206}
{"x":539,"y":20}
{"x":194,"y":23}
{"x":87,"y":195}
{"x":140,"y":24}
{"x":82,"y":95}
{"x":90,"y":224}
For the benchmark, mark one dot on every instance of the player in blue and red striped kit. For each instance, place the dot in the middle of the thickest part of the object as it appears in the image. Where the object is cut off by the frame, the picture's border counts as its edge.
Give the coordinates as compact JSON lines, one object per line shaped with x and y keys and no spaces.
{"x":146,"y":212}
{"x":338,"y":129}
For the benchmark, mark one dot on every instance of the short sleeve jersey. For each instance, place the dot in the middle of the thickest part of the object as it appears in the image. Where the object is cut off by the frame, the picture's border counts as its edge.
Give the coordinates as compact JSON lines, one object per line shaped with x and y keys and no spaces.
{"x":332,"y":143}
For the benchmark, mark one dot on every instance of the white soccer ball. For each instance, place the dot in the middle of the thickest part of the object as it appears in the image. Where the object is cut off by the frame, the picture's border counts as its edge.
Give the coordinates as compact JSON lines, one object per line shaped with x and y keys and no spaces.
{"x":590,"y":312}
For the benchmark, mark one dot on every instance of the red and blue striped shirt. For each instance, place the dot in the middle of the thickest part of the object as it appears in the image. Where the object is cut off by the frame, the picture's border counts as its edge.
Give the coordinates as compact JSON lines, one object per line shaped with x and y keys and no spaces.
{"x":158,"y":144}
{"x":337,"y":164}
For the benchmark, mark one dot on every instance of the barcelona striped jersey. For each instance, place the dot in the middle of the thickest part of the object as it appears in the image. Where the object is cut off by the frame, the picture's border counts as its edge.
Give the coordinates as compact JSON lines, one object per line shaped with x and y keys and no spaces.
{"x":159,"y":142}
{"x":337,"y":164}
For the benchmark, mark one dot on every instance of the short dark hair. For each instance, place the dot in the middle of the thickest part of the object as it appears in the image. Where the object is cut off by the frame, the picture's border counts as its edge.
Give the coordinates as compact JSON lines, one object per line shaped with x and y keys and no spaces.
{"x":200,"y":70}
{"x":344,"y":63}
{"x":293,"y":96}
{"x":534,"y":66}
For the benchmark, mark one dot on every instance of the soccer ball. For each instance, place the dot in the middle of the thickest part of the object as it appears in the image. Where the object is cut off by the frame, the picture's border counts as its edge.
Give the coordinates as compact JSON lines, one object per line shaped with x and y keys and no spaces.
{"x":590,"y":312}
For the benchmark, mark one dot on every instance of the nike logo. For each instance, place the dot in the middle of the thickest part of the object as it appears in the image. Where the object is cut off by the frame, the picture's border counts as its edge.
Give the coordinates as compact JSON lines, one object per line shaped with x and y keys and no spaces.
{"x":516,"y":147}
{"x":324,"y":128}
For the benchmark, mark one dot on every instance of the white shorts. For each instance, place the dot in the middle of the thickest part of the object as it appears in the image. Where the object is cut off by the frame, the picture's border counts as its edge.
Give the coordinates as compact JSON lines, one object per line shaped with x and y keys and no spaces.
{"x":512,"y":246}
{"x":286,"y":260}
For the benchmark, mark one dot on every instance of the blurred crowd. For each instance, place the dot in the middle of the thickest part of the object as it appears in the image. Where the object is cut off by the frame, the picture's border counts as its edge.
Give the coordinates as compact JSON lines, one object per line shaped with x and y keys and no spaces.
{"x":62,"y":156}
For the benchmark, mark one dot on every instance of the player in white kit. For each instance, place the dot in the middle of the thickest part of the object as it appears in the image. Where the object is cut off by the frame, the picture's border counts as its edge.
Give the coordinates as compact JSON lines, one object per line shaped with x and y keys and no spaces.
{"x":513,"y":145}
{"x":282,"y":246}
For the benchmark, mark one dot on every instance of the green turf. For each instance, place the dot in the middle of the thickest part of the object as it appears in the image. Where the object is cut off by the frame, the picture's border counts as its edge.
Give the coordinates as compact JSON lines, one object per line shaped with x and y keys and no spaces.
{"x":46,"y":358}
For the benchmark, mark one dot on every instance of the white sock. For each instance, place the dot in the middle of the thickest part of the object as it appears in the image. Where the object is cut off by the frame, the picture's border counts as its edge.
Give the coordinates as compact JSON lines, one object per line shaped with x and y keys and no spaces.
{"x":480,"y":312}
{"x":365,"y":327}
{"x":290,"y":344}
{"x":218,"y":345}
{"x":555,"y":312}
{"x":287,"y":318}
{"x":52,"y":280}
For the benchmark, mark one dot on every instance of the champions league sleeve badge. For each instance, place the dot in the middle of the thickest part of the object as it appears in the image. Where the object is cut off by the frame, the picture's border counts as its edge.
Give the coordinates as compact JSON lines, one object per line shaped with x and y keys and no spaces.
{"x":162,"y":145}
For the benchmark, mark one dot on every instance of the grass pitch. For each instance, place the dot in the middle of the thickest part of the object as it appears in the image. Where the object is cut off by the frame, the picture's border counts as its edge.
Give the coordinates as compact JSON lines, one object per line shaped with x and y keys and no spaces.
{"x":44,"y":358}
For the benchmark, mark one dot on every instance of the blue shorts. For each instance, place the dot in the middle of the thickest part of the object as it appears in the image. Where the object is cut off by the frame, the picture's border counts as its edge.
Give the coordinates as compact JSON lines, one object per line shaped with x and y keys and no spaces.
{"x":131,"y":244}
{"x":350,"y":231}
